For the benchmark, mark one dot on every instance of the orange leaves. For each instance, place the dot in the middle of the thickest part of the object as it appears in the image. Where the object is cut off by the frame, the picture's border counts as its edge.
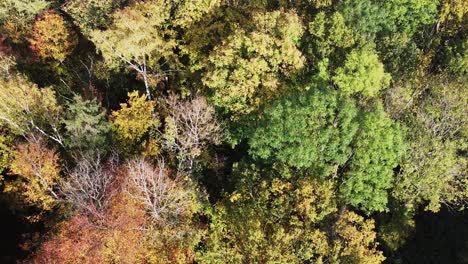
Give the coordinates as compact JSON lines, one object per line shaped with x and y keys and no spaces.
{"x":51,"y":38}
{"x":78,"y":241}
{"x":39,"y":166}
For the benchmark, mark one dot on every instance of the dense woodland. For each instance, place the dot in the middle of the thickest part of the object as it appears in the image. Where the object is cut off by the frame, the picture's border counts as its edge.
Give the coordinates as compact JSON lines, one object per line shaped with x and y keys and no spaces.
{"x":232,"y":131}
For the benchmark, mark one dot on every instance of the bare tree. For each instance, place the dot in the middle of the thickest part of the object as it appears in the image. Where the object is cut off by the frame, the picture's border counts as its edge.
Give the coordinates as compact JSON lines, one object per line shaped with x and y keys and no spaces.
{"x":89,"y":184}
{"x":190,"y":126}
{"x":166,"y":199}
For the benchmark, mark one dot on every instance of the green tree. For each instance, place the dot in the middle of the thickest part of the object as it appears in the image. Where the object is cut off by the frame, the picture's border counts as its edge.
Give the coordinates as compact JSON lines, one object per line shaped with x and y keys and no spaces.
{"x":91,"y":14}
{"x":434,"y":168}
{"x":372,"y":16}
{"x":246,"y":69}
{"x":362,"y":73}
{"x":376,"y":152}
{"x":310,"y":129}
{"x":409,"y":16}
{"x":86,"y":128}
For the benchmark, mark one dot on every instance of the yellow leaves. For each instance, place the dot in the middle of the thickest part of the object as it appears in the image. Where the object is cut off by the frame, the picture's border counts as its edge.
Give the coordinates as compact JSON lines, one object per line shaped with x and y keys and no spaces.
{"x":453,"y":10}
{"x":315,"y":199}
{"x":137,"y":35}
{"x":246,"y":69}
{"x":133,"y":121}
{"x":22,"y":102}
{"x":280,"y":187}
{"x":235,"y":197}
{"x":39,"y":166}
{"x":123,"y":246}
{"x":357,"y":240}
{"x":192,"y":11}
{"x":51,"y":38}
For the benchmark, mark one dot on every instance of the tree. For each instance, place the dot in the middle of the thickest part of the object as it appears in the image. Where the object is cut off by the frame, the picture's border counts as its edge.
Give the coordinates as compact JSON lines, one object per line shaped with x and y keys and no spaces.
{"x":409,"y":16}
{"x":120,"y":237}
{"x":16,"y":17}
{"x":205,"y":25}
{"x":307,"y":130}
{"x":356,"y":240}
{"x":167,"y":200}
{"x":451,"y":15}
{"x":126,"y":235}
{"x":371,"y":17}
{"x":38,"y":167}
{"x":27,"y":10}
{"x":137,"y":38}
{"x":6,"y":150}
{"x":76,"y":241}
{"x":52,"y":38}
{"x":91,"y":14}
{"x":189,"y":127}
{"x":86,"y":128}
{"x":330,"y":33}
{"x":270,"y":219}
{"x":246,"y":70}
{"x":433,"y":170}
{"x":377,"y":151}
{"x":88,"y":186}
{"x":133,"y":122}
{"x":362,"y":73}
{"x":29,"y":110}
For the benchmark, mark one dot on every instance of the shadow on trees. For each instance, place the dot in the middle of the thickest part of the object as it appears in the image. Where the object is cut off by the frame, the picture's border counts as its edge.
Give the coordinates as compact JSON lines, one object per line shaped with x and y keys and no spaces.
{"x":438,"y":238}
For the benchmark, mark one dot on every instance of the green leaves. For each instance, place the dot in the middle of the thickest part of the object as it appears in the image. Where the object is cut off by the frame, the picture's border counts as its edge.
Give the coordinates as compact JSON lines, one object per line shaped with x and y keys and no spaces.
{"x":362,"y":73}
{"x":371,"y":17}
{"x":86,"y":128}
{"x":376,"y":152}
{"x":310,"y":130}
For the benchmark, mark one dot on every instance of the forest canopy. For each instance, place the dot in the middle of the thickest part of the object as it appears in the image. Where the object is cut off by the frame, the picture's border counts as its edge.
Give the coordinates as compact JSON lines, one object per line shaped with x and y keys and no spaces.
{"x":220,"y":131}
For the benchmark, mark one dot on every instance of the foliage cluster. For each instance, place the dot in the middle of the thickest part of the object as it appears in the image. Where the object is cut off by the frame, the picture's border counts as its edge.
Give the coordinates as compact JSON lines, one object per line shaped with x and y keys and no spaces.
{"x":217,"y":131}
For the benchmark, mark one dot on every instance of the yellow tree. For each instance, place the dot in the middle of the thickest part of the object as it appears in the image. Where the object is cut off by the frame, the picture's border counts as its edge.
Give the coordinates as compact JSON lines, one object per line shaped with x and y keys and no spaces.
{"x":28,"y":110}
{"x":356,"y":240}
{"x":246,"y":69}
{"x":133,"y":122}
{"x":137,"y":39}
{"x":51,"y":37}
{"x":39,"y":169}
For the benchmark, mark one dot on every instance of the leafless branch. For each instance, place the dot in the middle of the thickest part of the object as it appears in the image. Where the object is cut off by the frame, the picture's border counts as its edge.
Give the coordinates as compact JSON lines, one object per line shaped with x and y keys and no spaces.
{"x":166,"y":199}
{"x":191,"y":125}
{"x":89,"y":184}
